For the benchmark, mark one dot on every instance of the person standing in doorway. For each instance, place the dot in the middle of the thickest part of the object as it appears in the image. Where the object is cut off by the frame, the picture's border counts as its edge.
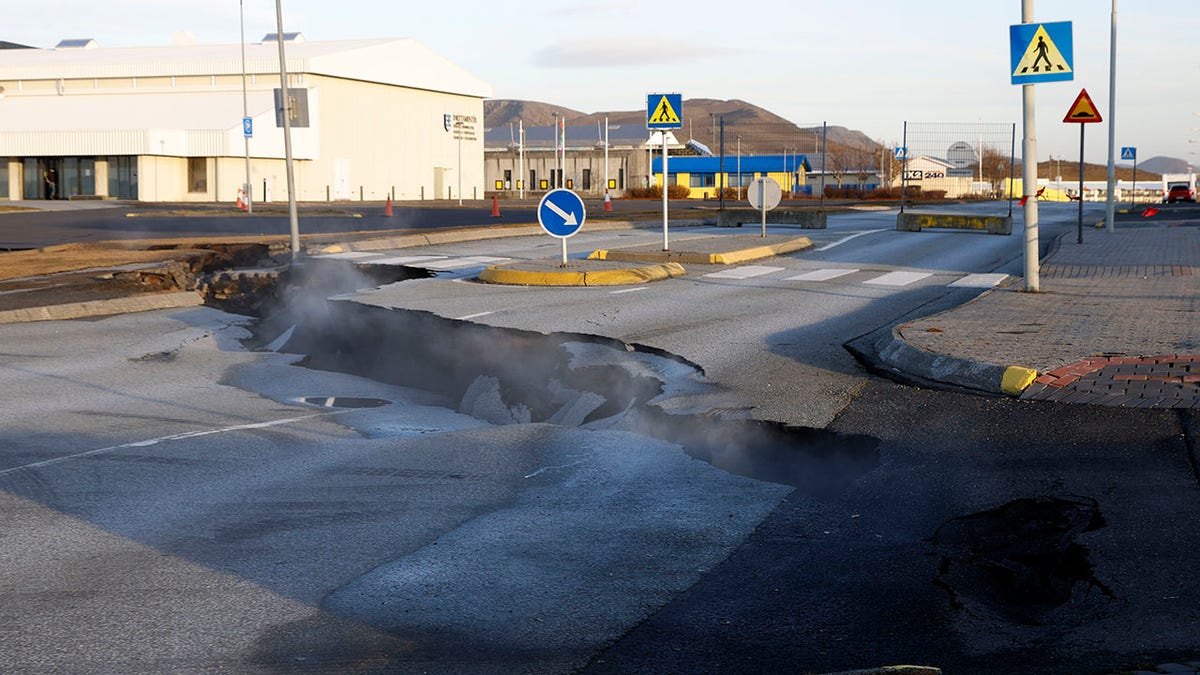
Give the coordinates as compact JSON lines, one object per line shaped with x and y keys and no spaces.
{"x":51,"y":178}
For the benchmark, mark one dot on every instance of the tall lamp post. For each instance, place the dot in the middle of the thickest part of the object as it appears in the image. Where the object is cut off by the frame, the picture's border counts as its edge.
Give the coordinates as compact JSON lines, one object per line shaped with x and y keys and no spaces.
{"x":286,"y":104}
{"x":245,"y":106}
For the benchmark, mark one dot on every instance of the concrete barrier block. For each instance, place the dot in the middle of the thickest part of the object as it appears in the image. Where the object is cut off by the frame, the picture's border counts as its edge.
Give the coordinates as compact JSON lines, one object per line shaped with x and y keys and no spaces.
{"x":806,"y":218}
{"x":915,"y":222}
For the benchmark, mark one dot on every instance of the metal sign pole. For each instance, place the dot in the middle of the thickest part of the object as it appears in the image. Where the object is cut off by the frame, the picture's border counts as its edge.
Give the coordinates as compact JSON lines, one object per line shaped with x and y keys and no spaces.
{"x":665,"y":174}
{"x":1079,"y":236}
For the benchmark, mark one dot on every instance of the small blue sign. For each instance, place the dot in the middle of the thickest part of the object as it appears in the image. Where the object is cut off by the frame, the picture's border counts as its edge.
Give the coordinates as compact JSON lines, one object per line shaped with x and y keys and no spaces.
{"x":248,"y":127}
{"x":1041,"y":52}
{"x":664,"y":111}
{"x":1129,"y":153}
{"x":561,"y":213}
{"x":901,"y":153}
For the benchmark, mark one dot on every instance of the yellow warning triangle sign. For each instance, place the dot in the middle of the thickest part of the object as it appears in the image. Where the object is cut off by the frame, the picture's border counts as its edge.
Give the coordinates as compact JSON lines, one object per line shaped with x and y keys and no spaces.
{"x":664,"y":113}
{"x":1083,"y":110}
{"x":1041,"y":56}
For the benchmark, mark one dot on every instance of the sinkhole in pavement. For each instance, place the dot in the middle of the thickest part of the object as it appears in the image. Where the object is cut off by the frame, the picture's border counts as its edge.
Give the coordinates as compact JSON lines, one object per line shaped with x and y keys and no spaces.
{"x":511,"y":376}
{"x":1023,"y":560}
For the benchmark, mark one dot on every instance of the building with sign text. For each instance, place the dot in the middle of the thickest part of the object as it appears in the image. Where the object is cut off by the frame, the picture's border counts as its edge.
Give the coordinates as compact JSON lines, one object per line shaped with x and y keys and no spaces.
{"x":370,"y":119}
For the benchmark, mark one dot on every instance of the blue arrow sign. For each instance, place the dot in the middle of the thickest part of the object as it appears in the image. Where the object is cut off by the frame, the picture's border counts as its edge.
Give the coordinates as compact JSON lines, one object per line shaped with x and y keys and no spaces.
{"x":248,"y":127}
{"x":901,"y":152}
{"x":1128,"y":153}
{"x":561,"y":213}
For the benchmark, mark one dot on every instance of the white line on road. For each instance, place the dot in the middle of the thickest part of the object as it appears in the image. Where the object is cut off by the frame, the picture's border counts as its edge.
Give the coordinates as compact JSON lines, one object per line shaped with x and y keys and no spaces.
{"x":163,"y":439}
{"x":472,"y":261}
{"x":473,"y":316}
{"x":821,"y":275}
{"x":898,"y":278}
{"x":744,"y":272}
{"x":627,"y":290}
{"x":843,"y":240}
{"x":980,"y":281}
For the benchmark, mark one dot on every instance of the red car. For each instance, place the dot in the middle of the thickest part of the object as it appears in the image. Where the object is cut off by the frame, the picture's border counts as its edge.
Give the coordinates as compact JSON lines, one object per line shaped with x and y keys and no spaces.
{"x":1180,"y":193}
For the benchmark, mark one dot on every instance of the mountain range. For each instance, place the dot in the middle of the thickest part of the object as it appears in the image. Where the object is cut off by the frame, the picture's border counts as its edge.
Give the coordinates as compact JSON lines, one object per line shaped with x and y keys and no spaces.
{"x":762,"y":131}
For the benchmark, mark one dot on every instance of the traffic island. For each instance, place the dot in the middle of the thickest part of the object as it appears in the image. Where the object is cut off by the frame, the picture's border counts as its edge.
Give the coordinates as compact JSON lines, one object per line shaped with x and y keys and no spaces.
{"x":550,"y":272}
{"x":718,"y":250}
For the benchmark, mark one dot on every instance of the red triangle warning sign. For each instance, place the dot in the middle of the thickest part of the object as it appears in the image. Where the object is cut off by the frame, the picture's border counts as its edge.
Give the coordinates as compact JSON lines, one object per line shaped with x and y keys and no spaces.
{"x":1083,"y":111}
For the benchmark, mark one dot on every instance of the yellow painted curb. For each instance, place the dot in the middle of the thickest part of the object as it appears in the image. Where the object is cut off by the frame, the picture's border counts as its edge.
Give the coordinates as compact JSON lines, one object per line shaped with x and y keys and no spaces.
{"x":623,"y":277}
{"x":759,"y":252}
{"x":1016,"y":379}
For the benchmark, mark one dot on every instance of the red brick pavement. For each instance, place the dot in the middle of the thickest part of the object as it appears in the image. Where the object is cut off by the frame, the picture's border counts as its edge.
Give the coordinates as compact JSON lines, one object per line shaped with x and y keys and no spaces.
{"x":1169,"y":381}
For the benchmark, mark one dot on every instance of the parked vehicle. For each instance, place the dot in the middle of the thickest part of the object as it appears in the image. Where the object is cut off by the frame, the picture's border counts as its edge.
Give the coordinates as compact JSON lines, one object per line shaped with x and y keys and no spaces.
{"x":1180,"y":193}
{"x":1178,"y":187}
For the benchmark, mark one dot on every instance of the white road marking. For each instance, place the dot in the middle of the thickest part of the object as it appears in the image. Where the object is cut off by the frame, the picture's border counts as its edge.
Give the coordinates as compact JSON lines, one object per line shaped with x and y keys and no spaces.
{"x":980,"y":281}
{"x":821,"y":275}
{"x":473,"y":316}
{"x":898,"y":278}
{"x":456,"y":263}
{"x":627,"y":290}
{"x":843,"y":240}
{"x":407,"y":259}
{"x":349,"y":255}
{"x":744,"y":272}
{"x":163,"y":439}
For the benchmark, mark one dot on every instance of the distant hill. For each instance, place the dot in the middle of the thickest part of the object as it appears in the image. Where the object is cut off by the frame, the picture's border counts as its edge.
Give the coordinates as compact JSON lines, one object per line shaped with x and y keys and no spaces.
{"x":761,"y":130}
{"x":1162,"y":165}
{"x":1091,"y":172}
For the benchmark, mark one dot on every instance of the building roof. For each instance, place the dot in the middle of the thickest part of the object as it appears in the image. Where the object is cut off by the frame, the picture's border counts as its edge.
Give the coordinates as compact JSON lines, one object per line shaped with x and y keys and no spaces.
{"x":395,"y":61}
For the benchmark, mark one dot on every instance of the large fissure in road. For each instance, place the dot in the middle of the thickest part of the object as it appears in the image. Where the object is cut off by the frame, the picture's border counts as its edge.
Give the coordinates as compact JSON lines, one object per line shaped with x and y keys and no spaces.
{"x":510,"y":376}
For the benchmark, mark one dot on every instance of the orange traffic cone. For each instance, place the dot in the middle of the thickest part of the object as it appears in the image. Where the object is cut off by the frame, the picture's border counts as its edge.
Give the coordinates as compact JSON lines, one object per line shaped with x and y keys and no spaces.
{"x":241,"y":204}
{"x":387,"y":208}
{"x":495,"y":206}
{"x":607,"y":201}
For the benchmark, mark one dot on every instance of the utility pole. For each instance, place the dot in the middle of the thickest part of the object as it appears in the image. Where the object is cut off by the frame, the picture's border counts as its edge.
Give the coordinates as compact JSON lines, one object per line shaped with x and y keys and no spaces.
{"x":1029,"y":172}
{"x":245,"y":107}
{"x":1112,"y":119}
{"x":285,"y":102}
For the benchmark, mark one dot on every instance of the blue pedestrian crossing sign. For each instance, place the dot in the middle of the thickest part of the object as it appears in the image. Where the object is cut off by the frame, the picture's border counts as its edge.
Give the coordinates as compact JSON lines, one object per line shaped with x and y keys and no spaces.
{"x":1129,"y":153}
{"x":561,"y":213}
{"x":1041,"y":52}
{"x":248,"y":127}
{"x":664,"y":111}
{"x":901,"y":153}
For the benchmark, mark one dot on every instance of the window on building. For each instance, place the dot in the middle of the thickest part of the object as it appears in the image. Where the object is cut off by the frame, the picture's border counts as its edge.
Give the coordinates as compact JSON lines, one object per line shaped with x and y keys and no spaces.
{"x":532,"y":178}
{"x":4,"y":177}
{"x":702,"y":180}
{"x":587,"y":179}
{"x":621,"y":179}
{"x":197,"y":174}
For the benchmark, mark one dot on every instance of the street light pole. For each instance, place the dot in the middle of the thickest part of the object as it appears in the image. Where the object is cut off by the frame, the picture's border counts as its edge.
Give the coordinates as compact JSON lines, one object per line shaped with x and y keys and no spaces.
{"x":245,"y":106}
{"x":285,"y":102}
{"x":1112,"y":118}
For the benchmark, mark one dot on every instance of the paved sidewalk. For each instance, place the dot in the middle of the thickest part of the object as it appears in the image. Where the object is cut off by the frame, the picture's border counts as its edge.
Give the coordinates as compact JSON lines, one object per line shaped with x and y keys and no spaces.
{"x":1117,"y":322}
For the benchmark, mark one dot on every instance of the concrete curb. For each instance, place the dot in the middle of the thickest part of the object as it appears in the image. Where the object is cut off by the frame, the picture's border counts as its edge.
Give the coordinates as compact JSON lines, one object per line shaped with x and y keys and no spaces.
{"x":127,"y":305}
{"x":990,"y":378}
{"x":692,"y":258}
{"x":621,"y":277}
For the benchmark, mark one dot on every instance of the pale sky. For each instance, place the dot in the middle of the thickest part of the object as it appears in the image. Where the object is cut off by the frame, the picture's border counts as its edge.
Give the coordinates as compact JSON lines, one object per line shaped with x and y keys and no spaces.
{"x":868,"y":65}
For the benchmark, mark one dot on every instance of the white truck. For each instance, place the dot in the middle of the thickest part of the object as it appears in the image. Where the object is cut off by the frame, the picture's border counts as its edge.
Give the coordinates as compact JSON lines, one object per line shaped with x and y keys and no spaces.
{"x":1178,"y":187}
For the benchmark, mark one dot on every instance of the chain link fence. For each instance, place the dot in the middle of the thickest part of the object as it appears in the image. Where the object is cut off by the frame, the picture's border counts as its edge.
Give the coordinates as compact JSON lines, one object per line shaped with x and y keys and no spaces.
{"x":956,"y":168}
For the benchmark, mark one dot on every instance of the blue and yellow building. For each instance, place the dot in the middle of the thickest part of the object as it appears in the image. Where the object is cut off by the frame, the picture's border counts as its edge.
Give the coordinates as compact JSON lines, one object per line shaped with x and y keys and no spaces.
{"x":705,"y":175}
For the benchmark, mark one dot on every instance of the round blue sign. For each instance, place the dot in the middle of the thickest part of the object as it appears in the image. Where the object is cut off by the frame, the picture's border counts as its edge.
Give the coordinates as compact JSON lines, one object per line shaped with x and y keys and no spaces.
{"x":561,"y":213}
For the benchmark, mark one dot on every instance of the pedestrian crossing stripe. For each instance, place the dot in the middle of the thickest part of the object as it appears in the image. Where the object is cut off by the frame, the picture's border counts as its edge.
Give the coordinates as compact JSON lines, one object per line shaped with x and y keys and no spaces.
{"x":1047,"y":53}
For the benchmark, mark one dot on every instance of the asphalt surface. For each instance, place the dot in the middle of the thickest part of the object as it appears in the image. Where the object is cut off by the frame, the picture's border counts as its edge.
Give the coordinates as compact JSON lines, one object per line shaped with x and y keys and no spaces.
{"x":991,"y":534}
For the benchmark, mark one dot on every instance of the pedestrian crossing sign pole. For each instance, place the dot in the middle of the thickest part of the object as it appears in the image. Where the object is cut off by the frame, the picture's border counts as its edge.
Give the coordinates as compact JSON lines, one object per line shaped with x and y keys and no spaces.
{"x":663,"y":112}
{"x":1038,"y":52}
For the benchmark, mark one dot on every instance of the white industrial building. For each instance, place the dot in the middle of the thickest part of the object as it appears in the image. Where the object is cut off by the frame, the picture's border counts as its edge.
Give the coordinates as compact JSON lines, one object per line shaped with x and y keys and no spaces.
{"x":383,"y":117}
